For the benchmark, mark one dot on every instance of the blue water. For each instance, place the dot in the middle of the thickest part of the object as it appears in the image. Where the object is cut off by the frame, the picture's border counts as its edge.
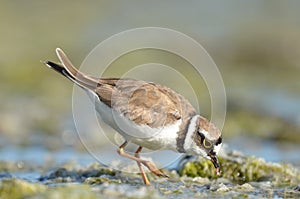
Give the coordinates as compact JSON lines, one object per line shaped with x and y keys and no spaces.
{"x":40,"y":155}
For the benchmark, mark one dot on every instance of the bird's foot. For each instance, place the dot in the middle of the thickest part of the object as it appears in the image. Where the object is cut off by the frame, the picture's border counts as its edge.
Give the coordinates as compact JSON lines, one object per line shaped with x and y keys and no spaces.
{"x":154,"y":169}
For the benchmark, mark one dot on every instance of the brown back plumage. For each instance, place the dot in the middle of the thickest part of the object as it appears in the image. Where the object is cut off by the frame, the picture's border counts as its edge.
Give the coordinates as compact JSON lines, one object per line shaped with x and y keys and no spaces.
{"x":142,"y":102}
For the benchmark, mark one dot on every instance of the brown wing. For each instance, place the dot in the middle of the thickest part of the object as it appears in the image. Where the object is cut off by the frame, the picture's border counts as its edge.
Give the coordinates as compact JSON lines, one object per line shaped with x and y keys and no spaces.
{"x":143,"y":102}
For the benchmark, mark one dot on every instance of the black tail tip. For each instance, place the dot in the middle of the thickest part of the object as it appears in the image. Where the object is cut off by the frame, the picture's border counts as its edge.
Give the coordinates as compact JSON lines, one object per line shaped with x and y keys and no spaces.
{"x":57,"y":67}
{"x":47,"y":63}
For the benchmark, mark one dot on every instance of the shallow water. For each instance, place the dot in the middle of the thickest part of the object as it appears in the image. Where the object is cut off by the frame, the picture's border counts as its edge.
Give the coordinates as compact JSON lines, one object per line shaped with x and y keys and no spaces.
{"x":40,"y":157}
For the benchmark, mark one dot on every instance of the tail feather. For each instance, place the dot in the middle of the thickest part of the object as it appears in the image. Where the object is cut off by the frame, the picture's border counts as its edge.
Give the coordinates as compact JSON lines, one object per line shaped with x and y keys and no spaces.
{"x":67,"y":69}
{"x":60,"y":69}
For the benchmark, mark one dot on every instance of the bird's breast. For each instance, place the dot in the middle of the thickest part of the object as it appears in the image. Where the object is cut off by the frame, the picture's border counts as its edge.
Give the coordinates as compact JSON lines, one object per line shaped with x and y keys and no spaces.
{"x":163,"y":137}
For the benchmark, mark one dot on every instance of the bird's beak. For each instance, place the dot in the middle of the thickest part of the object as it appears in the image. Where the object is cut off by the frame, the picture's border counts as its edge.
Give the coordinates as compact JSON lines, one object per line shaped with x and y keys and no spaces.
{"x":215,"y":161}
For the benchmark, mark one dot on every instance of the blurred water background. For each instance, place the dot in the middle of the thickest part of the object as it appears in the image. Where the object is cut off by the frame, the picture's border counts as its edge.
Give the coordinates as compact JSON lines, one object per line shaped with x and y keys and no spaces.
{"x":255,"y":44}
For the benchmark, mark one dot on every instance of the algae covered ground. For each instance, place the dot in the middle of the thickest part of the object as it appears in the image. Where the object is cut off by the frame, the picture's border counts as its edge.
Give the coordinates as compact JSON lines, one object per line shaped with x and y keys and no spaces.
{"x":255,"y":45}
{"x":242,"y":177}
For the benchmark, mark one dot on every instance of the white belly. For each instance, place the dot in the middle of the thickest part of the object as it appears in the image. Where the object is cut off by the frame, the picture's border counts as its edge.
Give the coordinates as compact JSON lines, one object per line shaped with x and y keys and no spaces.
{"x":143,"y":135}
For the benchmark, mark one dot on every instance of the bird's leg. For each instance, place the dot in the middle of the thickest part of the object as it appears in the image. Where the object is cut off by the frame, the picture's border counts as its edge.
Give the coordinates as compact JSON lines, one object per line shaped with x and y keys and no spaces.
{"x":147,"y":163}
{"x":143,"y":174}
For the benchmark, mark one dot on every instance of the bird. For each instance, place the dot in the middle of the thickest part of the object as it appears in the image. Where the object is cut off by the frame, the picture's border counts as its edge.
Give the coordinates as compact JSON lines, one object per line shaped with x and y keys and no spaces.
{"x":149,"y":115}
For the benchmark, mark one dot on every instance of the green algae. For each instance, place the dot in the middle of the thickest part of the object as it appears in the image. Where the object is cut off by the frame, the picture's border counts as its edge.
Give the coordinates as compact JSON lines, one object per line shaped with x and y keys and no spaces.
{"x":96,"y":169}
{"x":242,"y":169}
{"x":12,"y":188}
{"x":16,"y":189}
{"x":100,"y":180}
{"x":74,"y":191}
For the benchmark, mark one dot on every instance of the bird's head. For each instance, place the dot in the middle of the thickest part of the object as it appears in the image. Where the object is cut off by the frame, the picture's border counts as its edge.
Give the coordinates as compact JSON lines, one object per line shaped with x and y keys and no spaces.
{"x":203,"y":139}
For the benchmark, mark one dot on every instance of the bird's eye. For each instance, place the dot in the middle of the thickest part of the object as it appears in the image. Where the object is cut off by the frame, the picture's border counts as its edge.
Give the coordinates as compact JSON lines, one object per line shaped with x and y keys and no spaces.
{"x":207,"y":144}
